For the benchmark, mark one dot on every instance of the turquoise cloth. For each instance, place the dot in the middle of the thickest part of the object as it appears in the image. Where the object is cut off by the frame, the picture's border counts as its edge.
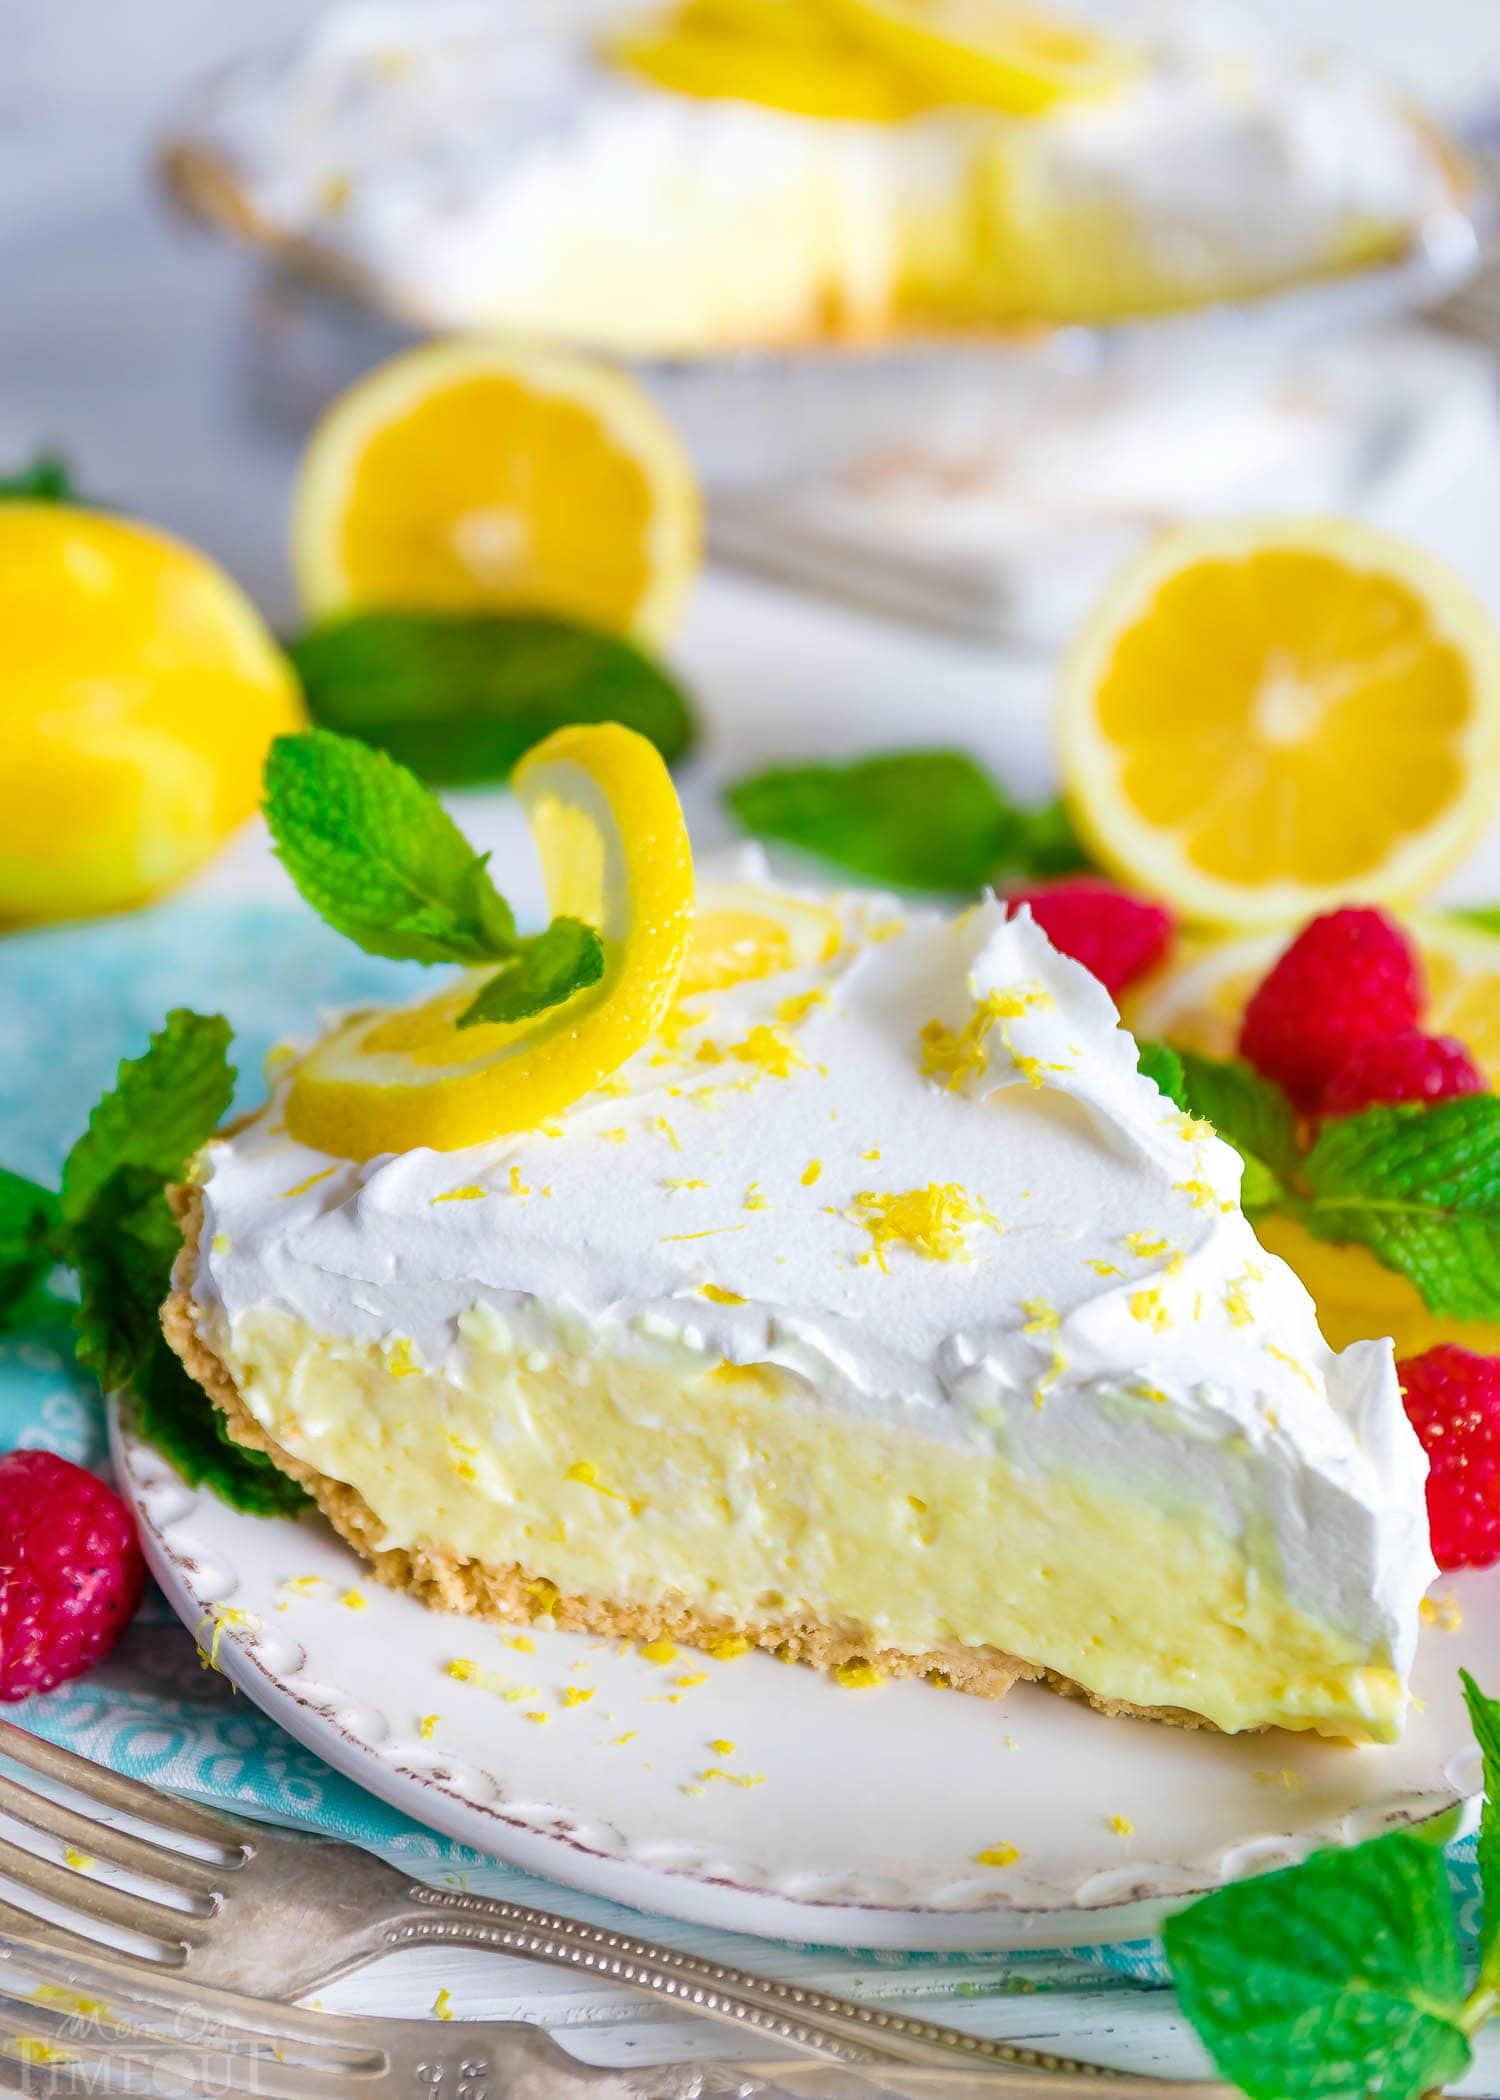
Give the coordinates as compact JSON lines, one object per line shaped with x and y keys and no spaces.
{"x":72,"y":1003}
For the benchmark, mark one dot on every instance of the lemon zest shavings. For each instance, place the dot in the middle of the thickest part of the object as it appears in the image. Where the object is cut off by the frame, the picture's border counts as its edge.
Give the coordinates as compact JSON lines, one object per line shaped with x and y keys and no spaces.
{"x":857,"y":1675}
{"x":934,"y":1222}
{"x":311,"y":1182}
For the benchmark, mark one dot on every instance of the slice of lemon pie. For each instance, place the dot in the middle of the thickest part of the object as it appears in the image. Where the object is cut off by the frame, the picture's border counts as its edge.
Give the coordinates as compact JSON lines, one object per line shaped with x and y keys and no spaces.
{"x":876,"y":1308}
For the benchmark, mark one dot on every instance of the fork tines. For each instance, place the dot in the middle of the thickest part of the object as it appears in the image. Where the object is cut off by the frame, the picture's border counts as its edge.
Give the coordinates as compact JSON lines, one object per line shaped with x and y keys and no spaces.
{"x":176,"y":1861}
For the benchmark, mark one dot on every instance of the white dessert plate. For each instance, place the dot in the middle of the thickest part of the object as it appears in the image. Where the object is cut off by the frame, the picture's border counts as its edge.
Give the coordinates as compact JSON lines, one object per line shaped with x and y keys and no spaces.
{"x":754,"y":1797}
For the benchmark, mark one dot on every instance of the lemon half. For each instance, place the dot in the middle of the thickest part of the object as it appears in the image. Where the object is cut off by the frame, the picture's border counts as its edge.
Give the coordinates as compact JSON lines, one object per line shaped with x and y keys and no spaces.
{"x":1267,"y":717}
{"x":473,"y":474}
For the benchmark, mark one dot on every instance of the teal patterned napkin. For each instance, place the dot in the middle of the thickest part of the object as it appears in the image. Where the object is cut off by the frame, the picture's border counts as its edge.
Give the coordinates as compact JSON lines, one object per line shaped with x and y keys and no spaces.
{"x":72,"y":1003}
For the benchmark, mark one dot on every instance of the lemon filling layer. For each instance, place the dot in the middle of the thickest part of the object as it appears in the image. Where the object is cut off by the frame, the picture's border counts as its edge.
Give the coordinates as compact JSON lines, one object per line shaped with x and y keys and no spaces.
{"x":878,"y":1286}
{"x":654,"y":1483}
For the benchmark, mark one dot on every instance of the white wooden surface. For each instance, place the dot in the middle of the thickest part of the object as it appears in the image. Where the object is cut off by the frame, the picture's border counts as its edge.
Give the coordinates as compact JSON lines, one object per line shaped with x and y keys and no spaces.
{"x":118,"y":341}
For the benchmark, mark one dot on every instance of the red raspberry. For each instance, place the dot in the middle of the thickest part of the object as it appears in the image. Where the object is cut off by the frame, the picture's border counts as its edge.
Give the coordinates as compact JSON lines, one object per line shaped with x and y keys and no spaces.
{"x":1406,"y":1067}
{"x":1347,"y":978}
{"x":70,"y":1571}
{"x":1453,"y":1402}
{"x":1116,"y":935}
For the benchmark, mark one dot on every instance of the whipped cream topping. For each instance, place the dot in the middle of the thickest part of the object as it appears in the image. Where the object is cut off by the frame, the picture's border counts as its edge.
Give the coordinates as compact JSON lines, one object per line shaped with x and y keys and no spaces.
{"x":480,"y":172}
{"x":921,"y":1175}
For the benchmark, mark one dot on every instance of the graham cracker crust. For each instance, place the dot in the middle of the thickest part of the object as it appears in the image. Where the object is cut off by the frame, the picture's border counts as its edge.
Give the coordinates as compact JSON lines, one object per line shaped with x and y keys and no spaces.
{"x":512,"y":1595}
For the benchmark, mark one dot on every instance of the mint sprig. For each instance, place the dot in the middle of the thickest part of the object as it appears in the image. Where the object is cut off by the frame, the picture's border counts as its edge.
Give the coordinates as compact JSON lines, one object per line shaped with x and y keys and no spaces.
{"x":1249,"y":1112}
{"x":374,"y":852}
{"x":1420,"y":1187}
{"x":1484,"y":1719}
{"x":1485,"y":916}
{"x":1343,"y":1976}
{"x":460,"y":697}
{"x":30,"y":1244}
{"x":111,"y":1224}
{"x":917,"y":820}
{"x":1338,"y":1977}
{"x":46,"y":480}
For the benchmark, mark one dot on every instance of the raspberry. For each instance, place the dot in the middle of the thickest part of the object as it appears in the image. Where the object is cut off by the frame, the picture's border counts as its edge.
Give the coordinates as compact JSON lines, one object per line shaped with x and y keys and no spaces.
{"x":70,"y":1571}
{"x":1453,"y":1402}
{"x":1406,"y":1067}
{"x":1116,"y":935}
{"x":1347,"y":978}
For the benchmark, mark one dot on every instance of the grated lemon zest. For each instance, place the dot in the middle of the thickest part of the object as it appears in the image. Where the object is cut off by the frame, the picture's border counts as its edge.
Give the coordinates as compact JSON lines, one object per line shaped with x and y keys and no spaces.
{"x":311,"y":1182}
{"x":857,"y":1676}
{"x":933,"y":1222}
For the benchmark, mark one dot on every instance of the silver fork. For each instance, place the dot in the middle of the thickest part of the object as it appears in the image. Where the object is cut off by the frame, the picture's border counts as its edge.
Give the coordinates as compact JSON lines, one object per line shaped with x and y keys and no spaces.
{"x":227,"y":1904}
{"x":82,"y":2025}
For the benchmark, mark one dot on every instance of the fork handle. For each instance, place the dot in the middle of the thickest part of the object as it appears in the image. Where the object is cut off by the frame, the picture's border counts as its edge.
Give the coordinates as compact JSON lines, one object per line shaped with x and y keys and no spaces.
{"x":814,"y":2020}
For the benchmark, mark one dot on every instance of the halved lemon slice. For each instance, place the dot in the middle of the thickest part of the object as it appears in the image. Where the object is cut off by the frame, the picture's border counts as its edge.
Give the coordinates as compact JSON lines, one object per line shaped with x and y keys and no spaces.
{"x":1266,"y":717}
{"x":775,"y":52}
{"x":477,"y":474}
{"x":615,"y":853}
{"x":1003,"y":54}
{"x":742,"y":932}
{"x":1197,"y":1003}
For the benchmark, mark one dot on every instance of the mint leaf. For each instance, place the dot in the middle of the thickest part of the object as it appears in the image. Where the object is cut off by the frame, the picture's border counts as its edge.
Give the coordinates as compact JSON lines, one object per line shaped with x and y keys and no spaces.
{"x":550,"y":968}
{"x":460,"y":697}
{"x":920,"y":820}
{"x":30,"y":1242}
{"x":1336,"y":1978}
{"x":121,"y":1236}
{"x":1420,"y":1187}
{"x":1485,"y":916}
{"x":1484,"y":1719}
{"x":177,"y":1416}
{"x":162,"y":1107}
{"x":1158,"y":1061}
{"x":377,"y":856}
{"x":113,"y":1224}
{"x":1247,"y":1111}
{"x":46,"y":480}
{"x":1045,"y":844}
{"x":123,"y":1248}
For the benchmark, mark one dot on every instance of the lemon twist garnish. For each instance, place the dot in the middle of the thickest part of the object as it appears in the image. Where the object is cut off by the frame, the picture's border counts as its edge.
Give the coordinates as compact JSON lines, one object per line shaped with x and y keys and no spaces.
{"x":615,"y":854}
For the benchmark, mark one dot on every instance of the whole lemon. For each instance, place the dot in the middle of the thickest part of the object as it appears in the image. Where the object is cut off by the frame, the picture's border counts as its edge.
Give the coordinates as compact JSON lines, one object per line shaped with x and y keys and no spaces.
{"x":139,"y":690}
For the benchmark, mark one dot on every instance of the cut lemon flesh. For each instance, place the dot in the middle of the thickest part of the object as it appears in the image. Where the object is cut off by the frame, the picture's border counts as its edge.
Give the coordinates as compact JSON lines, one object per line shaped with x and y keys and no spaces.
{"x":1198,"y":1000}
{"x":615,"y":853}
{"x":472,"y":474}
{"x":698,"y":51}
{"x":1263,"y":718}
{"x":998,"y":53}
{"x":742,"y":931}
{"x":142,"y":691}
{"x":1197,"y":1004}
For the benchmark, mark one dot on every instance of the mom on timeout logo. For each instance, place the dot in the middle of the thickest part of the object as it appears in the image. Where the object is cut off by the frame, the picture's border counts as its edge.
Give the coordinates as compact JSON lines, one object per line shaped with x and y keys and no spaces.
{"x":58,"y":2043}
